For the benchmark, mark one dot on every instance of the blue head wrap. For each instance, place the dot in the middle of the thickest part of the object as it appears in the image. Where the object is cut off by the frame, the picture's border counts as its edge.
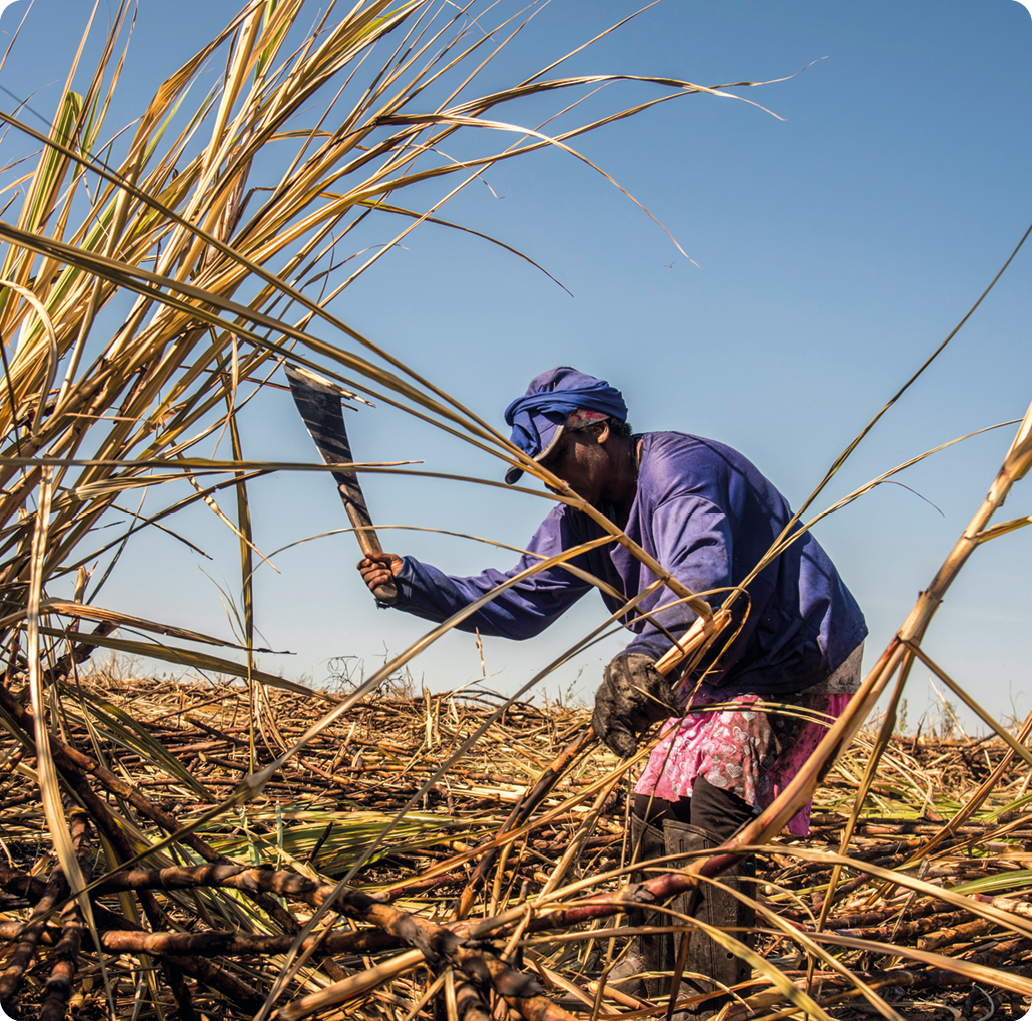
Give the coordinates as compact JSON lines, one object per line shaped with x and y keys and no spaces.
{"x":537,"y":417}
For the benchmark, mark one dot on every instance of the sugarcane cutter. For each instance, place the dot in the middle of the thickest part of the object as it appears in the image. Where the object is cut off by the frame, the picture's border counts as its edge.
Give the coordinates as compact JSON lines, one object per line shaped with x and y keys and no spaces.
{"x":318,"y":401}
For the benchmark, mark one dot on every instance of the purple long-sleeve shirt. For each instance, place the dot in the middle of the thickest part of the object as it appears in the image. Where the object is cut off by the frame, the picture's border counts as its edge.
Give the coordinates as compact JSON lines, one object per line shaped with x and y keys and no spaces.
{"x":705,"y":513}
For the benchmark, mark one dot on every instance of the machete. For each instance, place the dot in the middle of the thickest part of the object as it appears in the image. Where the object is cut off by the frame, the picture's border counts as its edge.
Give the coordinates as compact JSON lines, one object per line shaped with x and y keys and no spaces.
{"x":319,"y":404}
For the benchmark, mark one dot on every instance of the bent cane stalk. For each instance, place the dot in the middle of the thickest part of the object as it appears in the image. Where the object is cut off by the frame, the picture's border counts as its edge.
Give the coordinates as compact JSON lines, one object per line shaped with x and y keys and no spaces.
{"x":800,"y":789}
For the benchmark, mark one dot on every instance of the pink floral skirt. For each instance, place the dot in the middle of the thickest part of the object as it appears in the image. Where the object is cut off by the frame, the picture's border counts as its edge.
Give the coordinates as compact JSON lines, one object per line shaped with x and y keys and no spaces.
{"x":751,"y":752}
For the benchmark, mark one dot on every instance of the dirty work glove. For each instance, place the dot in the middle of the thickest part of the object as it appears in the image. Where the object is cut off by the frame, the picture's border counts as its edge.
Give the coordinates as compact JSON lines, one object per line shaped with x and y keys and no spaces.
{"x":633,"y":695}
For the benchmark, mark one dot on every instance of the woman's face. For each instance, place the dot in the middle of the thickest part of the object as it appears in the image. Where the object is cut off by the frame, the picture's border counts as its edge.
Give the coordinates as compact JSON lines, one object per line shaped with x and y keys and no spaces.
{"x":582,"y":462}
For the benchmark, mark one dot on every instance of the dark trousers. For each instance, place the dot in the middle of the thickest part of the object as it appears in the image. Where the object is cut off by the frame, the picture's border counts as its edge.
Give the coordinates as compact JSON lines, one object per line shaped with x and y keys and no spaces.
{"x":678,"y":829}
{"x":719,"y":812}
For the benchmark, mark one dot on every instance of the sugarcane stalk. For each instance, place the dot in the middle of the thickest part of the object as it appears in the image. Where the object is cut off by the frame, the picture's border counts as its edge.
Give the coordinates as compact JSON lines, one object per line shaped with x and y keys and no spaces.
{"x":189,"y":952}
{"x":905,"y":978}
{"x":436,"y":942}
{"x":72,"y":763}
{"x":349,"y":988}
{"x":234,"y":944}
{"x":963,"y":933}
{"x":905,"y":930}
{"x":58,"y":989}
{"x":29,"y":936}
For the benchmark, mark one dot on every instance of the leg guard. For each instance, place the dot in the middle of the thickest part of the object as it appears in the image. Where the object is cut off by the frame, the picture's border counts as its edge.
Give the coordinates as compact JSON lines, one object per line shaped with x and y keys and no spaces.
{"x":712,"y":906}
{"x":647,"y":952}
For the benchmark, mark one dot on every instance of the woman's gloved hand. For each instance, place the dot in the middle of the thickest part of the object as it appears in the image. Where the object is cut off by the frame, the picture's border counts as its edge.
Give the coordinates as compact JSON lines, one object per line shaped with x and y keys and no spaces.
{"x":633,"y":695}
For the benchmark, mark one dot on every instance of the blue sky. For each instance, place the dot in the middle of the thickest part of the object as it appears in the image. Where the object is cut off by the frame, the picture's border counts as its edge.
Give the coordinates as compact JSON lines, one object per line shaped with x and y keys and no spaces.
{"x":836,"y":247}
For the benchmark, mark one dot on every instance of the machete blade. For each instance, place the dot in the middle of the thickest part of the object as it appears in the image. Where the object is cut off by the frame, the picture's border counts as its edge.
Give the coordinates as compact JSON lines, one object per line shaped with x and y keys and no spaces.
{"x":319,"y":405}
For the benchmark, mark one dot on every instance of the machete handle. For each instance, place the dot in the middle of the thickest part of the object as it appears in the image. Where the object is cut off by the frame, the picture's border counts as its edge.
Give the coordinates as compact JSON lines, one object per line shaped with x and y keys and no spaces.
{"x":369,"y":544}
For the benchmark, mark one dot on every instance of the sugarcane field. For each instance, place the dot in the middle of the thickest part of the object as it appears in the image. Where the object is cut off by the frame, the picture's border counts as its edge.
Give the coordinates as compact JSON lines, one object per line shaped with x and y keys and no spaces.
{"x":360,"y":657}
{"x":235,"y":895}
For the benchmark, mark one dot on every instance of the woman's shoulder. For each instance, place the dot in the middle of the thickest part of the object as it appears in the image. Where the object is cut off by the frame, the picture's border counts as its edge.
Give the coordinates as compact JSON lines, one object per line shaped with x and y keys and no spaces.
{"x":674,"y":461}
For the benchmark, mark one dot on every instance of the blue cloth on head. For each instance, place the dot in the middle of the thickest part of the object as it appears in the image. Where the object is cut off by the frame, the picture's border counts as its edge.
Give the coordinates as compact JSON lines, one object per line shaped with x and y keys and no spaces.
{"x":550,"y":398}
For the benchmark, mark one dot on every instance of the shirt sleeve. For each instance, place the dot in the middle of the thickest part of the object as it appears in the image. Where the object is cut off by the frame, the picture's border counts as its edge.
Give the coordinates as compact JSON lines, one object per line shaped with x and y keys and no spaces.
{"x":520,"y":611}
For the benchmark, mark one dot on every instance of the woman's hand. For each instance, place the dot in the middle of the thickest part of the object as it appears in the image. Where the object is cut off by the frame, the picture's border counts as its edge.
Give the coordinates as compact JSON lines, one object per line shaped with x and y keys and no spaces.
{"x":379,"y":568}
{"x":633,"y":696}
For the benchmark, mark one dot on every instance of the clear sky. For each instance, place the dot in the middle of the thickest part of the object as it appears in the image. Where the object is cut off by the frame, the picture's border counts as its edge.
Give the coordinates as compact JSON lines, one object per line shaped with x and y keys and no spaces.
{"x":836,"y":247}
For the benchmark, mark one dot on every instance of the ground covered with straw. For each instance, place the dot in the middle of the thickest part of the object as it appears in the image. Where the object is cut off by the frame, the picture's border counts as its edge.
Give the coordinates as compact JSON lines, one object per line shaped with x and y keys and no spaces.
{"x":204,"y":926}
